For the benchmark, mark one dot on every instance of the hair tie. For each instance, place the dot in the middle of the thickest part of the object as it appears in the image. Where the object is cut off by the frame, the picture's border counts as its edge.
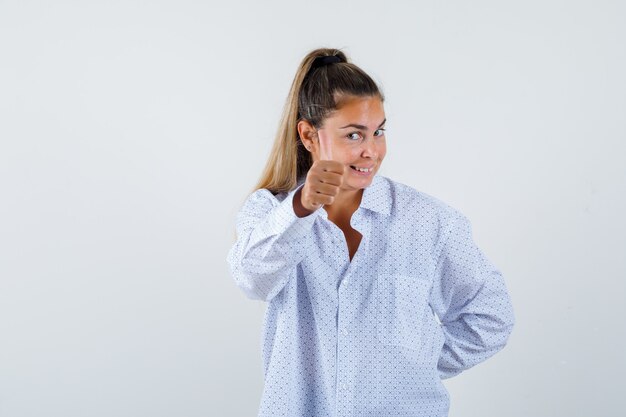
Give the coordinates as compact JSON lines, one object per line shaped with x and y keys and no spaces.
{"x":320,"y":61}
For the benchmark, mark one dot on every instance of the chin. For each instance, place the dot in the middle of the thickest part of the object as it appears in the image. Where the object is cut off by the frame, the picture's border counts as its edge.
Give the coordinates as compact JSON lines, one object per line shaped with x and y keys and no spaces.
{"x":360,"y":183}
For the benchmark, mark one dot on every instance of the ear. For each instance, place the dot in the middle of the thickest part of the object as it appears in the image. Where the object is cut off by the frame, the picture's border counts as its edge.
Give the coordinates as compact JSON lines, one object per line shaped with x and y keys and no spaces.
{"x":306,"y":131}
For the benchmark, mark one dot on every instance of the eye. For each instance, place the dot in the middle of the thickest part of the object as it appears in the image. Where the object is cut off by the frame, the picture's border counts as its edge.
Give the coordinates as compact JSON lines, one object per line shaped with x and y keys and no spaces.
{"x":382,"y":132}
{"x":350,"y":136}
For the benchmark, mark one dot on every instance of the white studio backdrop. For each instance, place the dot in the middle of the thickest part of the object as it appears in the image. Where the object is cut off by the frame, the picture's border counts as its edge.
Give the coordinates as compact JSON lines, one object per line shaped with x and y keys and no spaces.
{"x":131,"y":132}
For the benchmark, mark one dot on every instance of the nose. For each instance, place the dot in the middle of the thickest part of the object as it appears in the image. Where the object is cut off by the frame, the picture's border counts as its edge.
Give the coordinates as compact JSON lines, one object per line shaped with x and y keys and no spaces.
{"x":369,"y":149}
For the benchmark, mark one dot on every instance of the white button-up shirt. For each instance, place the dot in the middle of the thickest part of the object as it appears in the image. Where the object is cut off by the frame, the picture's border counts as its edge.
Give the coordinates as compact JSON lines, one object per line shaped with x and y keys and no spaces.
{"x":374,"y":336}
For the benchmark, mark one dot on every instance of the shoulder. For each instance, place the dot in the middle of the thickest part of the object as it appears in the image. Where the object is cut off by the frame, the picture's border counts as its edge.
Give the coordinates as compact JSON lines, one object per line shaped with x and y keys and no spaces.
{"x":258,"y":202}
{"x":263,"y":200}
{"x":264,"y":196}
{"x":406,"y":198}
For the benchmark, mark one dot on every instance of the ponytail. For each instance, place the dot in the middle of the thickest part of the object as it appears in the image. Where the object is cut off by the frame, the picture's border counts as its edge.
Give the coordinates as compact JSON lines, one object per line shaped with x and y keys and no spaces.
{"x":315,"y":92}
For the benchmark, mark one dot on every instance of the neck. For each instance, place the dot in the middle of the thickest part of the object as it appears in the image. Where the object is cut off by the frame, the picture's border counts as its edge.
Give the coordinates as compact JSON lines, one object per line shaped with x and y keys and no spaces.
{"x":345,"y":203}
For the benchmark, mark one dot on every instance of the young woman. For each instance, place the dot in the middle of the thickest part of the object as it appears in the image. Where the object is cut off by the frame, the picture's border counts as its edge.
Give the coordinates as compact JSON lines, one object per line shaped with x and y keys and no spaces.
{"x":375,"y":291}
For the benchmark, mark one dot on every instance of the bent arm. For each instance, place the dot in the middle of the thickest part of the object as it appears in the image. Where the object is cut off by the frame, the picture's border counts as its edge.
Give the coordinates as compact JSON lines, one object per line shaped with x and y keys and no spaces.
{"x":471,"y":301}
{"x":271,"y":241}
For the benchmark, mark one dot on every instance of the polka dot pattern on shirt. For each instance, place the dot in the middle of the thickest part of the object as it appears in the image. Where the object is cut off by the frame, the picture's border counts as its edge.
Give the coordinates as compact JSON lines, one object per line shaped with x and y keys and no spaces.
{"x":418,"y":303}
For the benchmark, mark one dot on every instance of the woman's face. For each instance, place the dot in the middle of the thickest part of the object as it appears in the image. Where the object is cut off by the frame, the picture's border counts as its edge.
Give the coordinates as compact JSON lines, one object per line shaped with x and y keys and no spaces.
{"x":354,"y":135}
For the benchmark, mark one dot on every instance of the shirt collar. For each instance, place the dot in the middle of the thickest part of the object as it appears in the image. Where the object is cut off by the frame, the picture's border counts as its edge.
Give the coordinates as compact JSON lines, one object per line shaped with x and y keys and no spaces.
{"x":377,"y":197}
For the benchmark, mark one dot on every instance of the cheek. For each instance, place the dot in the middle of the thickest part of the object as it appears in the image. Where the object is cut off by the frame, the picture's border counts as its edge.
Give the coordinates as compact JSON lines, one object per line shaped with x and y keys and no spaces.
{"x":352,"y":154}
{"x":382,"y":150}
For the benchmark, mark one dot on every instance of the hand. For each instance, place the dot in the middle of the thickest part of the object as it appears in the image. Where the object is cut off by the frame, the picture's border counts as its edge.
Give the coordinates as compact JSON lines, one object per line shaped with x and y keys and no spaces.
{"x":323,"y":180}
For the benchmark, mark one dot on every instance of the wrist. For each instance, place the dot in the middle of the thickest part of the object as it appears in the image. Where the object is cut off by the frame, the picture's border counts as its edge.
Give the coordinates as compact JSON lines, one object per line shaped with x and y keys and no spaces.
{"x":298,"y":207}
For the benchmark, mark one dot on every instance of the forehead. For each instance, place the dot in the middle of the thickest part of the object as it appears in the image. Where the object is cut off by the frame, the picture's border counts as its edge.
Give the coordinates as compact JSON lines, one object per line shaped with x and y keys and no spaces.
{"x":360,"y":110}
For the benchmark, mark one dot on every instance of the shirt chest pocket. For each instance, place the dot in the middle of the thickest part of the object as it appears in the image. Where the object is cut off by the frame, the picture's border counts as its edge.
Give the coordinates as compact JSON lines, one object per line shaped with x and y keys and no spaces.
{"x":402,"y":309}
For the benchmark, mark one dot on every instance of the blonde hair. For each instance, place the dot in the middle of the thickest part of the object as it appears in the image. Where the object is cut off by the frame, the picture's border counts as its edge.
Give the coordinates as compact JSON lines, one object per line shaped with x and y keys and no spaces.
{"x":315,"y":92}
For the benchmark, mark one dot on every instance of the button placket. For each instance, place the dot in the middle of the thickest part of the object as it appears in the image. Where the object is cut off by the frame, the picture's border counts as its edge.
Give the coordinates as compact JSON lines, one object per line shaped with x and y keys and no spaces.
{"x":344,"y":364}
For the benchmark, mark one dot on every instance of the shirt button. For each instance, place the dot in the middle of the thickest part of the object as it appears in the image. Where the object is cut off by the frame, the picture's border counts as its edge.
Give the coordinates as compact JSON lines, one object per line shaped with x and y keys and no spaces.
{"x":345,"y":332}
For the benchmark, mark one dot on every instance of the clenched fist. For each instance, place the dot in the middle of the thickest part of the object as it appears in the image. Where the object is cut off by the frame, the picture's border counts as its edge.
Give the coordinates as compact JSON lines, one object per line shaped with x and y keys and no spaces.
{"x":322,"y":184}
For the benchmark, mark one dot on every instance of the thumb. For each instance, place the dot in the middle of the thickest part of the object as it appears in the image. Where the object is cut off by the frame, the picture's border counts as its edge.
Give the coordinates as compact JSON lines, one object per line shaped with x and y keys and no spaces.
{"x":325,"y":146}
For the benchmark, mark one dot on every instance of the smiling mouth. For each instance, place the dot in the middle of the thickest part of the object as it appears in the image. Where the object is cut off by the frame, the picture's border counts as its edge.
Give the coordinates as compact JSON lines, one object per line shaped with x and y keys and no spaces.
{"x":362,"y":169}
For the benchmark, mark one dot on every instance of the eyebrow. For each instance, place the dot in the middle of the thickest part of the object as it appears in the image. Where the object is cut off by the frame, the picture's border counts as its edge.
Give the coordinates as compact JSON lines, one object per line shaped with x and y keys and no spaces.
{"x":361,"y":126}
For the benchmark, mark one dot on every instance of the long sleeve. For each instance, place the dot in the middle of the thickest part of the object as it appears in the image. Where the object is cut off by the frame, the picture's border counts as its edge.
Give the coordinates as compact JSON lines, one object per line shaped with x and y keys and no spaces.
{"x":271,"y":241}
{"x":471,"y":300}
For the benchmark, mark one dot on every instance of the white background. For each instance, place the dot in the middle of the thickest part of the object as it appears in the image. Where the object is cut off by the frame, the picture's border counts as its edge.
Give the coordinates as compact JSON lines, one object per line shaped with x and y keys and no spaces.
{"x":132,"y":131}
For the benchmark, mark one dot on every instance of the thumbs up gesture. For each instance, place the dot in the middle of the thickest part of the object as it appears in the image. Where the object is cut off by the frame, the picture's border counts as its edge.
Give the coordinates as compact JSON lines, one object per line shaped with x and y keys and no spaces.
{"x":324,"y":178}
